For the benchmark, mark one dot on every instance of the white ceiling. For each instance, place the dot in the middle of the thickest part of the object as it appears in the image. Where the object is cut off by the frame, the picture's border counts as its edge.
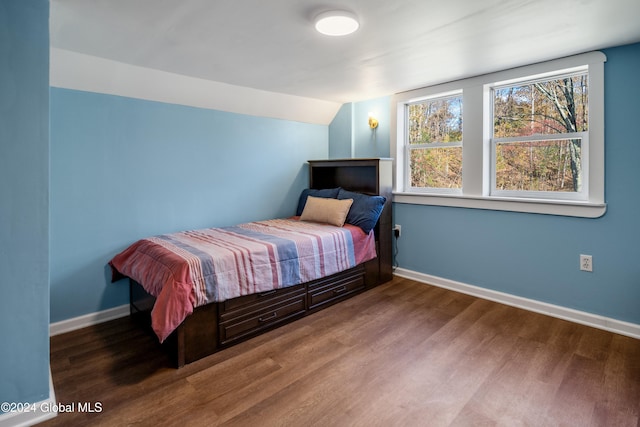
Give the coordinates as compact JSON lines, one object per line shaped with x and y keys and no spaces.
{"x":271,"y":45}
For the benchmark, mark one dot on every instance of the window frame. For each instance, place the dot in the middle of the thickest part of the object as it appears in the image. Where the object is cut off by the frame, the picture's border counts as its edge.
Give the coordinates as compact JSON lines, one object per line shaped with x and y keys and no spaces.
{"x":477,"y":148}
{"x":583,"y":194}
{"x":551,"y":195}
{"x":409,"y":147}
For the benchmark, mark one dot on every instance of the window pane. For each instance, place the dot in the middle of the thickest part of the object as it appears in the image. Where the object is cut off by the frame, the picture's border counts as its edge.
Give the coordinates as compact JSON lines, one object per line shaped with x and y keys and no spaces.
{"x":547,"y":107}
{"x":437,"y":120}
{"x":436,"y":167}
{"x":553,"y":165}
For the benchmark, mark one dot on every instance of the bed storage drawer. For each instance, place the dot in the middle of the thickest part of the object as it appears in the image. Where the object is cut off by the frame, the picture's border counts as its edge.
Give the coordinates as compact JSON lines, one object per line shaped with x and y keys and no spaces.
{"x":250,"y":316}
{"x":233,"y":308}
{"x":328,"y":291}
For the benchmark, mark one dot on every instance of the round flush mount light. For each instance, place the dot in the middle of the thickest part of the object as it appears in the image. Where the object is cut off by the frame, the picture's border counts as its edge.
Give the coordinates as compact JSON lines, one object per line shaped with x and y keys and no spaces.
{"x":337,"y":23}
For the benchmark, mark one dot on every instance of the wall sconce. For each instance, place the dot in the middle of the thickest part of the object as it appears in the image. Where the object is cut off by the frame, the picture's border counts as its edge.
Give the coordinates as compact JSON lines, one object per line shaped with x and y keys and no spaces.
{"x":373,"y":122}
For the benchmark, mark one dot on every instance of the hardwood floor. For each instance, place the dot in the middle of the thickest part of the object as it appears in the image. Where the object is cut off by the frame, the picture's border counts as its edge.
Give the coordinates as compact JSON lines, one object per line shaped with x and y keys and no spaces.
{"x":402,"y":354}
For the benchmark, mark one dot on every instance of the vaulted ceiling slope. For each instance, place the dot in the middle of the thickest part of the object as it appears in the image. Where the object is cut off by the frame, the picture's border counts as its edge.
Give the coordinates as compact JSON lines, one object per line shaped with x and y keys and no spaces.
{"x":401,"y":45}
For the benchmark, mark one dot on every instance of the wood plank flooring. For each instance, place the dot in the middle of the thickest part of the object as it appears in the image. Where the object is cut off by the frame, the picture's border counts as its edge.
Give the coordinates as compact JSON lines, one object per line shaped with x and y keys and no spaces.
{"x":402,"y":354}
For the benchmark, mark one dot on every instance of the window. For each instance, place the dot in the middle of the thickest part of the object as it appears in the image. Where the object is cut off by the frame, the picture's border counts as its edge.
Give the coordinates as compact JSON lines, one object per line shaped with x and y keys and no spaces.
{"x":434,"y":143}
{"x":533,"y":140}
{"x":540,"y":132}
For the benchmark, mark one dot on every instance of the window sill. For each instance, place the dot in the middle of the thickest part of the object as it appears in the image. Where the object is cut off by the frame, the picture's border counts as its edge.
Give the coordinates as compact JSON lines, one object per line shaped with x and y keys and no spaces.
{"x":538,"y":206}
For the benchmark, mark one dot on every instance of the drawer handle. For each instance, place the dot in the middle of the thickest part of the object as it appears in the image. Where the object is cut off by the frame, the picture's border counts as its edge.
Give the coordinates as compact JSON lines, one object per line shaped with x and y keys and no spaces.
{"x":339,"y":290}
{"x":266,"y":319}
{"x":267,"y":293}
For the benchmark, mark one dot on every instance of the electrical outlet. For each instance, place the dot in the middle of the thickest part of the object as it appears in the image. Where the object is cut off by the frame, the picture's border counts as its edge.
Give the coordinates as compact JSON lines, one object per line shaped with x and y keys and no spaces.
{"x":586,"y":263}
{"x":397,"y":230}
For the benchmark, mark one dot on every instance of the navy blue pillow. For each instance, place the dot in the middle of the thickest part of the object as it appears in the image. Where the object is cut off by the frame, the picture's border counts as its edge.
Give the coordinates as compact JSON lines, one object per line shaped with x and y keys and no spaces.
{"x":327,"y":193}
{"x":365,"y":210}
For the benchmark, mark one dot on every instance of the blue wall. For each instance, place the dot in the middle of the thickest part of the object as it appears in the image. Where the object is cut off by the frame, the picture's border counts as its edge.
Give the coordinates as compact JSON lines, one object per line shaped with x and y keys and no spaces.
{"x":367,"y":142}
{"x":24,"y":200}
{"x":123,"y":169}
{"x":340,"y":133}
{"x":350,"y":135}
{"x":536,"y":256}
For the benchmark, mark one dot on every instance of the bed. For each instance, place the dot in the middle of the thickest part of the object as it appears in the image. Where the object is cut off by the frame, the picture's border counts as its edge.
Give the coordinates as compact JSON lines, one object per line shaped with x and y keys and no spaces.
{"x":204,"y":290}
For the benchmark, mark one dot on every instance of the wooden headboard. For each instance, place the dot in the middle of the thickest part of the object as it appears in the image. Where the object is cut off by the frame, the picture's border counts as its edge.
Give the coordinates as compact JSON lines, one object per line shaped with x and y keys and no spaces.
{"x":372,"y":176}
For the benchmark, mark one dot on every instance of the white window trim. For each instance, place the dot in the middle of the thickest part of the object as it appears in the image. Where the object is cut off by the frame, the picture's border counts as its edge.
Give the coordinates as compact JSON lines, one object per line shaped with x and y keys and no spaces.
{"x":408,"y":148}
{"x":477,"y":174}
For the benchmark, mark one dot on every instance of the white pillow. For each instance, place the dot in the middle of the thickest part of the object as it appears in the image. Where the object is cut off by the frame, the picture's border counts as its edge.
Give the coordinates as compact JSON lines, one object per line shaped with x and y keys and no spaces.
{"x":329,"y":211}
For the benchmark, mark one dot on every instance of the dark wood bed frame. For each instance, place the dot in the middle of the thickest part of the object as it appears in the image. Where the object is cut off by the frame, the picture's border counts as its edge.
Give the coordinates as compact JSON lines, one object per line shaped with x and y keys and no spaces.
{"x":215,"y":326}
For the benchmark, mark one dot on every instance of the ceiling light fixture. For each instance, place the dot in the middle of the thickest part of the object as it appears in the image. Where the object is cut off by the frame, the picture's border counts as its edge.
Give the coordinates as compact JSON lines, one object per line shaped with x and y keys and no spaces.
{"x":337,"y":23}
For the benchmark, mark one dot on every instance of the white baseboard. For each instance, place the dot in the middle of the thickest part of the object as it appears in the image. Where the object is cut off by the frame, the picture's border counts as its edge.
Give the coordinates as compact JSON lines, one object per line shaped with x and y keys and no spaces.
{"x":41,"y":412}
{"x":88,"y":320}
{"x":576,"y":316}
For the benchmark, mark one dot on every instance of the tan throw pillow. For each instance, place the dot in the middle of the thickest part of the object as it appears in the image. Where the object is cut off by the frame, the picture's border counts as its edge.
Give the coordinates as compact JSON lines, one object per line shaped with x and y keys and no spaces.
{"x":329,"y":211}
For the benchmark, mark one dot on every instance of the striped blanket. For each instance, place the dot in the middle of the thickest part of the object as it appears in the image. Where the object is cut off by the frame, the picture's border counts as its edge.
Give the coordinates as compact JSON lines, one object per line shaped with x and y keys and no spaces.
{"x":192,"y":268}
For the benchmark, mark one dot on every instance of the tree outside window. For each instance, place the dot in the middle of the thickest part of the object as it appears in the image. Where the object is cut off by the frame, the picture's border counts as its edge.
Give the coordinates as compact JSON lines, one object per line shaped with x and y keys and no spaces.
{"x":434,"y":140}
{"x":539,"y":129}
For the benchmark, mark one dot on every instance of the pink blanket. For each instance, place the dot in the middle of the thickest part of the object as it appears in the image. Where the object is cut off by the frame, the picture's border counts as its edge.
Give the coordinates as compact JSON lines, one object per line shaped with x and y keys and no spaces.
{"x":192,"y":268}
